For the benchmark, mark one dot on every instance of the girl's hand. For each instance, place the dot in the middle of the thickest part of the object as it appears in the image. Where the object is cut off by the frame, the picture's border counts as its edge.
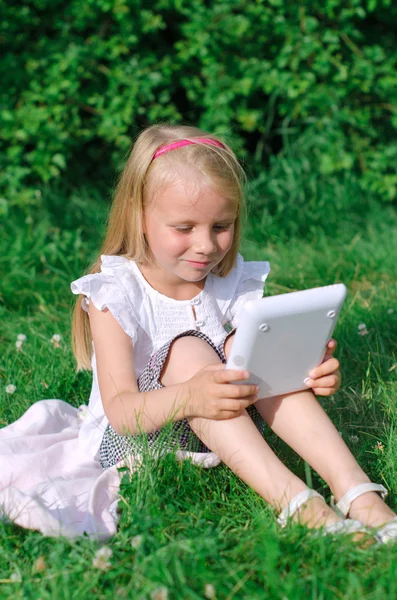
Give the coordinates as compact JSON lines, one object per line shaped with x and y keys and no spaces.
{"x":325,"y":379}
{"x":212,"y":395}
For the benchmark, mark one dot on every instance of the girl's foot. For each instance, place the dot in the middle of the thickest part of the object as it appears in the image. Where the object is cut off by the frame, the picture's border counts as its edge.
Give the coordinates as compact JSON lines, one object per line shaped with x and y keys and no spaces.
{"x":315,"y":513}
{"x":371,"y":510}
{"x":309,"y":508}
{"x":363,"y":503}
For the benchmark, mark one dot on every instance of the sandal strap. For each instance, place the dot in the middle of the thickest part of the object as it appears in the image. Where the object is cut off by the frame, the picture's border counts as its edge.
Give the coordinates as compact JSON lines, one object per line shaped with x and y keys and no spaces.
{"x":295,"y":505}
{"x":344,"y":504}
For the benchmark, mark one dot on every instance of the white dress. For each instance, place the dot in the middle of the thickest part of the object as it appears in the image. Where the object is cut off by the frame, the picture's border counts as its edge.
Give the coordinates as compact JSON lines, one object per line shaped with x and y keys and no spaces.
{"x":152,"y":319}
{"x":50,"y":475}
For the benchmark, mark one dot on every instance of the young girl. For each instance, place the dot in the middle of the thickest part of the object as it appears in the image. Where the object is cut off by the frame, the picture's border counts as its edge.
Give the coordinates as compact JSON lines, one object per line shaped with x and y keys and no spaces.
{"x":152,"y":319}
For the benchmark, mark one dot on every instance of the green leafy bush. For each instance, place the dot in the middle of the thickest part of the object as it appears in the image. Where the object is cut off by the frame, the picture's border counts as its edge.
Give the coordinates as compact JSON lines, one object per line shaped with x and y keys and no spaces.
{"x":81,"y":78}
{"x":293,"y":198}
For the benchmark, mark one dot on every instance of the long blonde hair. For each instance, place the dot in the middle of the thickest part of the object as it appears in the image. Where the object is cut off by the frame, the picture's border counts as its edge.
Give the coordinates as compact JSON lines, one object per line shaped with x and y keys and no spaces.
{"x":141,"y":178}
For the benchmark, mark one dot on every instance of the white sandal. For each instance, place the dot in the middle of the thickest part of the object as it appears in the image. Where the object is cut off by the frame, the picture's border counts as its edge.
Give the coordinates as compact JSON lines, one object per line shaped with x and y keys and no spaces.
{"x":347,"y":526}
{"x":386,"y":533}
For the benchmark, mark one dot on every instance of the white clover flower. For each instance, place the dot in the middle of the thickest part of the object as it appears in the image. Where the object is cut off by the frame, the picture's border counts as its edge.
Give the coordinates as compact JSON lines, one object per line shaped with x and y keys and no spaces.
{"x":102,"y":557}
{"x":18,"y":345}
{"x":21,"y":337}
{"x":104,"y":552}
{"x":209,"y":591}
{"x":390,"y":311}
{"x":10,"y":389}
{"x":56,"y":338}
{"x":362,"y":329}
{"x":82,"y":411}
{"x":353,"y":439}
{"x":160,"y":594}
{"x":15,"y":577}
{"x":136,"y":541}
{"x":363,"y":332}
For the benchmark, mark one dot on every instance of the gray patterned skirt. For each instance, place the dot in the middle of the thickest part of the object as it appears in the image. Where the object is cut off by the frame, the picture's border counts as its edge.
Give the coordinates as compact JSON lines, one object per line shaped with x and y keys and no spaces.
{"x":115,"y":447}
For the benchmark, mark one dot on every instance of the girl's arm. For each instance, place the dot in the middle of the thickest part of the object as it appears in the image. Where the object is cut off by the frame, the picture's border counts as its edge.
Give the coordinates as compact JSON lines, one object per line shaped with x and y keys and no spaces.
{"x":118,"y":383}
{"x":208,"y":393}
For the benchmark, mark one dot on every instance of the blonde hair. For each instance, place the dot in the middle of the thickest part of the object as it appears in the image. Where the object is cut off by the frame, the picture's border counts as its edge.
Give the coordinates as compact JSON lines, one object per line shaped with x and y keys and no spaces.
{"x":141,"y":179}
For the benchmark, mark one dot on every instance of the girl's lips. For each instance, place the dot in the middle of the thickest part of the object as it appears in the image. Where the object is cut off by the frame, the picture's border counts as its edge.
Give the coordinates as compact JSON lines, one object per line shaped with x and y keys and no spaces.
{"x":198,"y":265}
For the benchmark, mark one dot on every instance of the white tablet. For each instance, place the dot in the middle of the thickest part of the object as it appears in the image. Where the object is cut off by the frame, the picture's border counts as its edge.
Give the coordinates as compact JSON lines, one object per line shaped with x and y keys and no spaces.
{"x":279,"y":339}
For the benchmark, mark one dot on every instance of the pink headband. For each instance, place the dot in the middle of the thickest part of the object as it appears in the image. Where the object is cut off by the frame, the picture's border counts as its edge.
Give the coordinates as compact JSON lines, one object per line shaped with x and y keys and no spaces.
{"x":180,"y":143}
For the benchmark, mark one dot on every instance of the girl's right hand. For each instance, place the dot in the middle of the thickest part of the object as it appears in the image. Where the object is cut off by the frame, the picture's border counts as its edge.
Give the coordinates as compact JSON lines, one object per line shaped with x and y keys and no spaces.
{"x":212,"y":395}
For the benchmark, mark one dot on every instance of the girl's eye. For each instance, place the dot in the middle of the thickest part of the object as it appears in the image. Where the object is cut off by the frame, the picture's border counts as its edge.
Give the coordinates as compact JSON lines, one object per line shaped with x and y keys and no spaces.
{"x":222,"y":227}
{"x":219,"y":227}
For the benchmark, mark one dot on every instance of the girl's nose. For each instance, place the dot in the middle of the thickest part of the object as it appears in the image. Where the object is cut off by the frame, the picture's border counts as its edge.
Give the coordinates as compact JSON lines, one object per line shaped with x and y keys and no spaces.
{"x":204,"y":244}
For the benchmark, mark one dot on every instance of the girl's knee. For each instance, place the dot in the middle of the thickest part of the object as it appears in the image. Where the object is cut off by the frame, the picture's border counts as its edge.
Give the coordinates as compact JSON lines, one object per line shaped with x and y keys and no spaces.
{"x":187,"y":355}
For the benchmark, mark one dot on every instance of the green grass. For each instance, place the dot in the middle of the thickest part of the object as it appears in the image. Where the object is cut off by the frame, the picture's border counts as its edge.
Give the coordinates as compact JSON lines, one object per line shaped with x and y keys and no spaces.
{"x":199,"y":528}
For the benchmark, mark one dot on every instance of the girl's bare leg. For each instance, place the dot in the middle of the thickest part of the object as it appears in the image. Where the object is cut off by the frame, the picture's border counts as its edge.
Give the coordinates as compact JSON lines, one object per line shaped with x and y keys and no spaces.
{"x":242,"y":448}
{"x":238,"y":443}
{"x":302,"y":423}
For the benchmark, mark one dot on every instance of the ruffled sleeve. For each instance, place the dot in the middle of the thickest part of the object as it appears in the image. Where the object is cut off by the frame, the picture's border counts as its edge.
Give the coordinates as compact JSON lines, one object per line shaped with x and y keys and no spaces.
{"x":249,"y":287}
{"x":106,"y":290}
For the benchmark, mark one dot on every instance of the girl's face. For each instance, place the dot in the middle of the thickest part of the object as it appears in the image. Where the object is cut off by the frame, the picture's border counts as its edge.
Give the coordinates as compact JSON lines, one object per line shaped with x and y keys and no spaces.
{"x":189,"y":229}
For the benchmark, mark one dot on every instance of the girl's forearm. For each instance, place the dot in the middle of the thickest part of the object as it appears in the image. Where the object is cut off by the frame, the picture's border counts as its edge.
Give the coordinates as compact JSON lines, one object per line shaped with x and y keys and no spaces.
{"x":135,"y":412}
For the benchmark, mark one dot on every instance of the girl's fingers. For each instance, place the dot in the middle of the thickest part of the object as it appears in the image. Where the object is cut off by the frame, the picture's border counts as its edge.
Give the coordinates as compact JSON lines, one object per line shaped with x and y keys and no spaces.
{"x":249,"y":400}
{"x":326,"y":368}
{"x":236,"y":406}
{"x":332,"y":382}
{"x":324,"y":391}
{"x":331,"y":347}
{"x":227,"y":375}
{"x":215,"y":367}
{"x":327,"y":386}
{"x":238,"y":391}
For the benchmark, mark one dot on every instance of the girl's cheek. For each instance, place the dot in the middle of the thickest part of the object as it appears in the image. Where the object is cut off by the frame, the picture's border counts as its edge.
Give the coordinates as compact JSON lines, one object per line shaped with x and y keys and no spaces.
{"x":227,"y":240}
{"x":178,"y":243}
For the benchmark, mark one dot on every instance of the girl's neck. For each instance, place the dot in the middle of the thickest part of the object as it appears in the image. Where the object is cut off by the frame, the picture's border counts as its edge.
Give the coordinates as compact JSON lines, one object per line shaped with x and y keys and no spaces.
{"x":177,"y":290}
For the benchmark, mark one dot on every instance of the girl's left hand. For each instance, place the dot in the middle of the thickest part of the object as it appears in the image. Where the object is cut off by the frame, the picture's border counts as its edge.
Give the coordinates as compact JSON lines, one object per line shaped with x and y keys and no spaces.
{"x":325,"y":379}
